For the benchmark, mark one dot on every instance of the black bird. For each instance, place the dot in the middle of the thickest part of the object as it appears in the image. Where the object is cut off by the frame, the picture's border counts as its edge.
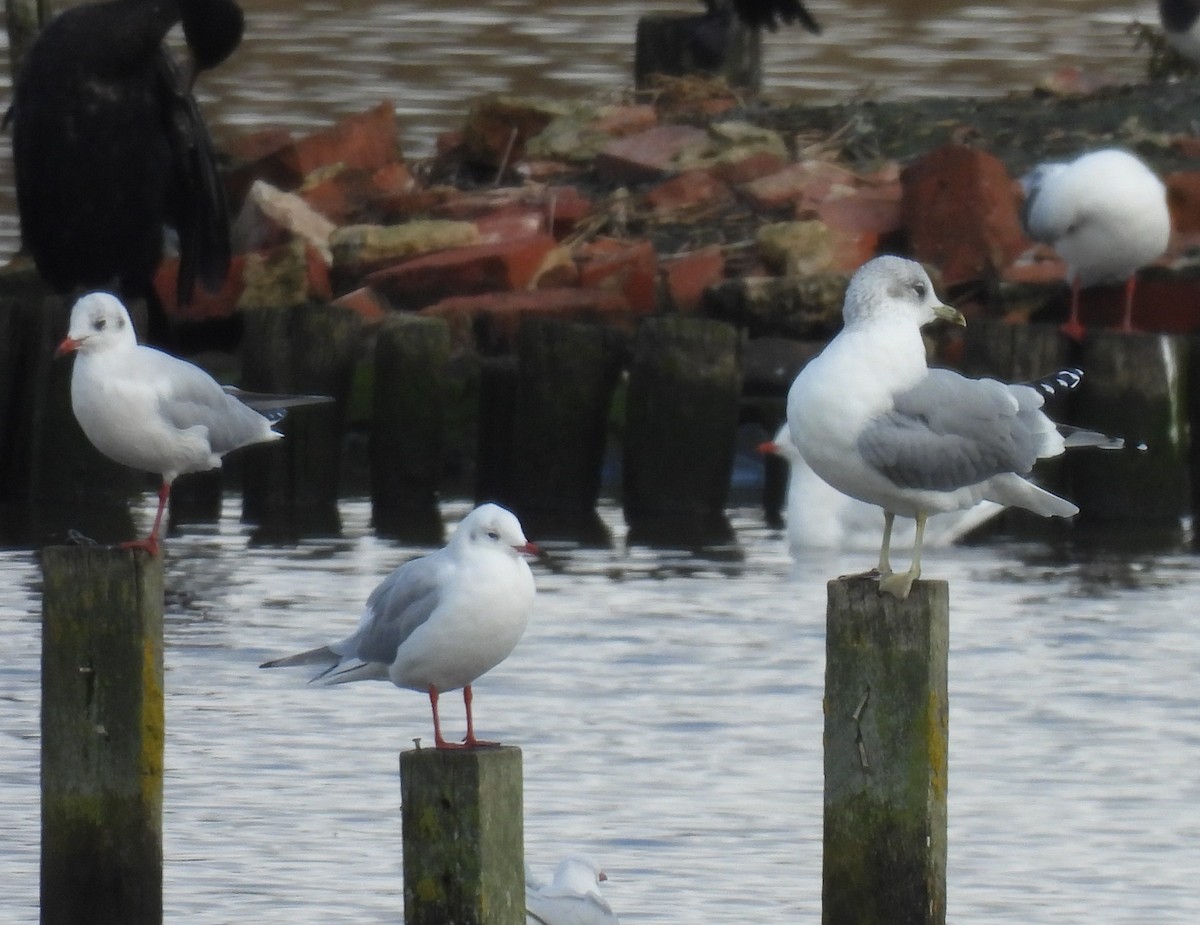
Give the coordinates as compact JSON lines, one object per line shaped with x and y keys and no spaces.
{"x":1181,"y":22}
{"x":769,"y":13}
{"x":110,"y":148}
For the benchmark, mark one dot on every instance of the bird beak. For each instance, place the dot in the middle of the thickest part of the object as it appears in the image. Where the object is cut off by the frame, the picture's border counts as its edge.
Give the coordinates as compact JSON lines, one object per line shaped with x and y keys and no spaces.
{"x":69,"y":345}
{"x":529,"y":549}
{"x":768,"y":446}
{"x":948,"y":313}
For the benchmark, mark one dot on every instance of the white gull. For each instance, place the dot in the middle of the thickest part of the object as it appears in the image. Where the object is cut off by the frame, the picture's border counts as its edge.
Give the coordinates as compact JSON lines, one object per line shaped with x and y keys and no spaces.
{"x":149,"y":410}
{"x":875,"y":422}
{"x":439,"y":621}
{"x":1106,"y":215}
{"x":818,"y":516}
{"x":573,"y":898}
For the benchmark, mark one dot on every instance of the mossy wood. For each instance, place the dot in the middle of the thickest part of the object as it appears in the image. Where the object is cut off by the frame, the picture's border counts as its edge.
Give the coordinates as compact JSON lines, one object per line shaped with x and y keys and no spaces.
{"x":886,"y":729}
{"x":676,"y":46}
{"x":291,"y":486}
{"x":1135,"y":387}
{"x":408,"y":427}
{"x":102,"y":736}
{"x":463,"y":831}
{"x":681,"y":419}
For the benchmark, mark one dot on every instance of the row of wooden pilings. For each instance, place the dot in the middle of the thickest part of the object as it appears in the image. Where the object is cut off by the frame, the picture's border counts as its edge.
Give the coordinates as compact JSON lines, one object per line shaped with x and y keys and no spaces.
{"x":103,"y":733}
{"x":536,"y":423}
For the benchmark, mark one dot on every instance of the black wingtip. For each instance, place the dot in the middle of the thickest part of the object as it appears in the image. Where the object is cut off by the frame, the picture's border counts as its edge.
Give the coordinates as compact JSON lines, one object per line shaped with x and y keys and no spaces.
{"x":1065,"y":380}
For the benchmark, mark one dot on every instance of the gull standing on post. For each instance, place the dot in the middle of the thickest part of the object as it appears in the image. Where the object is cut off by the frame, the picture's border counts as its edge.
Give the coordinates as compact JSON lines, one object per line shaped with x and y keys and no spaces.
{"x":149,"y":410}
{"x":440,"y":621}
{"x":875,"y":422}
{"x":1106,"y":215}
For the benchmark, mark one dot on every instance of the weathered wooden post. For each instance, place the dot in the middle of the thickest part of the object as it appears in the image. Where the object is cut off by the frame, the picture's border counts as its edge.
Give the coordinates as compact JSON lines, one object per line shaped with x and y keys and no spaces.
{"x":681,"y":425}
{"x":102,"y":736}
{"x":1135,"y":387}
{"x":291,"y":486}
{"x":886,"y":734}
{"x":566,"y":375}
{"x":463,"y":831}
{"x":1013,"y":352}
{"x":717,"y":45}
{"x":408,"y":425}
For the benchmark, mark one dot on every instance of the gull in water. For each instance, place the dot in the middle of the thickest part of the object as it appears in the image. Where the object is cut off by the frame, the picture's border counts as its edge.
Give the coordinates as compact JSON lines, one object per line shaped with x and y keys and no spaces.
{"x":1105,"y":213}
{"x":440,"y":621}
{"x":818,"y":516}
{"x":573,"y":898}
{"x":874,"y":421}
{"x":149,"y":410}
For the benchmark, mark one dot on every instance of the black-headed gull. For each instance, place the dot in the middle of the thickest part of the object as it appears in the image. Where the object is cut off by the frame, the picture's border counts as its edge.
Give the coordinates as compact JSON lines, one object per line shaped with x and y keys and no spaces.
{"x":1181,"y":22}
{"x":440,"y":621}
{"x":875,"y":422}
{"x":149,"y":410}
{"x":572,"y":898}
{"x":818,"y":516}
{"x":1106,"y":215}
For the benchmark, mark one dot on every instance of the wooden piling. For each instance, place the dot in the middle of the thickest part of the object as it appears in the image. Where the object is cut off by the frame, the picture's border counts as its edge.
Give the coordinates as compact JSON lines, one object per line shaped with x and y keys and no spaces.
{"x":681,"y":424}
{"x":463,"y":830}
{"x":886,"y":733}
{"x":102,"y":736}
{"x":408,"y":425}
{"x":1013,"y":352}
{"x":679,"y":45}
{"x":291,"y":486}
{"x":566,"y":376}
{"x":1135,"y":387}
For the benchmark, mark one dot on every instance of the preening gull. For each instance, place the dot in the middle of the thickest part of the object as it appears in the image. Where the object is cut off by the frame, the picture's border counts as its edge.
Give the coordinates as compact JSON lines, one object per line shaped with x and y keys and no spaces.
{"x":1105,"y":213}
{"x":573,"y":898}
{"x":440,"y":621}
{"x":818,"y":516}
{"x":149,"y":410}
{"x":875,"y":422}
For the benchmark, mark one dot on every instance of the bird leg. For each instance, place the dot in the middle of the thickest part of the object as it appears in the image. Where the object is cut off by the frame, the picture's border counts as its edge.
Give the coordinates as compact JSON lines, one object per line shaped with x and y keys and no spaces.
{"x":471,"y":741}
{"x":1073,"y":328}
{"x":150,"y":543}
{"x":899,"y":585}
{"x":885,"y":564}
{"x":438,"y":741}
{"x":1127,"y":322}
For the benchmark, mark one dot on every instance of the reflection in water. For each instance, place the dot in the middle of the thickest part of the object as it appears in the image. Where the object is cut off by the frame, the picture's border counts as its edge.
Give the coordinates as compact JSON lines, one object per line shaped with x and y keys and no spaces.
{"x":669,"y":710}
{"x":304,"y":63}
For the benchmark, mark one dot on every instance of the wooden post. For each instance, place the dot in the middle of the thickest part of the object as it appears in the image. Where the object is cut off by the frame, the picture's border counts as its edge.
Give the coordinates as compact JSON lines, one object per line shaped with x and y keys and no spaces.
{"x":464,"y":843}
{"x":291,"y":486}
{"x":1134,"y":386}
{"x":566,"y":375}
{"x":715,"y":45}
{"x":102,"y":736}
{"x":681,"y":425}
{"x":408,"y":425}
{"x":1013,"y":352}
{"x":886,"y":729}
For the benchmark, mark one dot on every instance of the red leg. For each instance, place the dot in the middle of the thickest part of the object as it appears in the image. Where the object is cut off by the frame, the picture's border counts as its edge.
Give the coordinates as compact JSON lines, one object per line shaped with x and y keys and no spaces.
{"x":1073,"y":329}
{"x":438,"y":741}
{"x":1130,"y":285}
{"x":471,"y":740}
{"x":150,"y":543}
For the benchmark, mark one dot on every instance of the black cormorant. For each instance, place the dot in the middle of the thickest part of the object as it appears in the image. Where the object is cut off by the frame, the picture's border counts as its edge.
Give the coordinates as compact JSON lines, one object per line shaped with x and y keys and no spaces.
{"x":110,"y":148}
{"x":769,"y":13}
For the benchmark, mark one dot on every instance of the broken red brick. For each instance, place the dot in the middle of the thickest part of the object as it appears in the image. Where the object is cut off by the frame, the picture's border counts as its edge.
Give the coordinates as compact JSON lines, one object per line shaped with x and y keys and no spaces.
{"x":753,"y":166}
{"x":688,"y":275}
{"x":430,"y":278}
{"x":648,"y":155}
{"x":1183,"y":199}
{"x":960,"y":214}
{"x":691,"y":189}
{"x":808,"y":181}
{"x":364,"y":302}
{"x":204,"y":305}
{"x":363,"y":141}
{"x":630,"y":268}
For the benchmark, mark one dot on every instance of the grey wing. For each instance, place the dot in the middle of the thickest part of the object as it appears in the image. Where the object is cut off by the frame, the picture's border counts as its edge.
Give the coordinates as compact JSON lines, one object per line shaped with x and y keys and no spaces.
{"x":950,"y":431}
{"x":402,"y":602}
{"x":190,"y":397}
{"x":572,"y":909}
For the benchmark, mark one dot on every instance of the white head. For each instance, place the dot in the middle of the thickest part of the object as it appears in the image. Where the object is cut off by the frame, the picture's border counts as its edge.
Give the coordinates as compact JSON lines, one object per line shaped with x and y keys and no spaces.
{"x":579,"y":873}
{"x":891,"y":287}
{"x":99,"y":322}
{"x":490,"y":526}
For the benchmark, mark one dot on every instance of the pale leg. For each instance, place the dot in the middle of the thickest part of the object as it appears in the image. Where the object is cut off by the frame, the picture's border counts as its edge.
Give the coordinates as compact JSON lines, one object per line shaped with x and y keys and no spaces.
{"x":900,"y":585}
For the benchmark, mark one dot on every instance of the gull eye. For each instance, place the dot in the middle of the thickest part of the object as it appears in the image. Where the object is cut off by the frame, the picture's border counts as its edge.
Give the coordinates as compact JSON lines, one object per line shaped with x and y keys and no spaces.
{"x":100,"y":324}
{"x":919,"y":289}
{"x":493,"y":535}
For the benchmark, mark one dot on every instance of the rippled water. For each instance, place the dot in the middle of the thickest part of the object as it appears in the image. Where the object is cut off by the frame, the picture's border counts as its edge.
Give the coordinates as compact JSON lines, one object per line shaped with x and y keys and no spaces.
{"x":669,"y":711}
{"x":305,"y":62}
